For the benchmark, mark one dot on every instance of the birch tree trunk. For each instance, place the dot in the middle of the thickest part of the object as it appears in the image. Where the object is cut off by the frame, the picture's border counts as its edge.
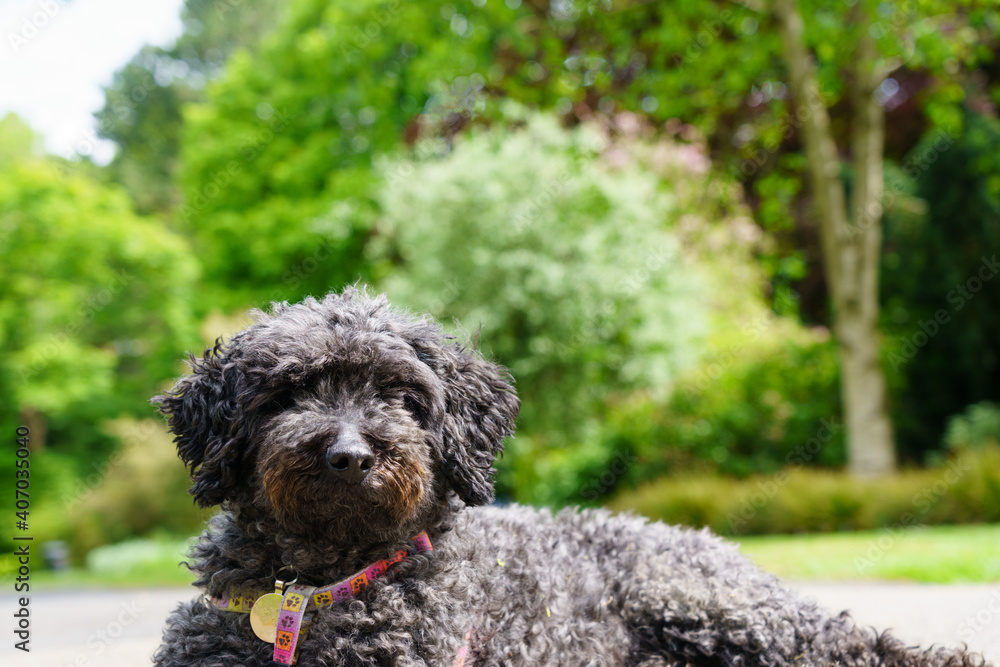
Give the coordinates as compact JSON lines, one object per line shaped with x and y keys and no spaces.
{"x":850,"y":251}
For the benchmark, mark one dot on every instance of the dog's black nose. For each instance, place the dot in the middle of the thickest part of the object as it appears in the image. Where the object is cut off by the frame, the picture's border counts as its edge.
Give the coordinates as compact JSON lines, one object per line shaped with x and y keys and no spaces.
{"x":350,"y":458}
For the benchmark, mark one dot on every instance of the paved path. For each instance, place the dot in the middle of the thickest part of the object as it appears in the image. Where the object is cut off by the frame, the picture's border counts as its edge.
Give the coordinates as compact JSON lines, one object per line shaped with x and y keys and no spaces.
{"x":91,"y":628}
{"x":122,"y":628}
{"x":921,"y":614}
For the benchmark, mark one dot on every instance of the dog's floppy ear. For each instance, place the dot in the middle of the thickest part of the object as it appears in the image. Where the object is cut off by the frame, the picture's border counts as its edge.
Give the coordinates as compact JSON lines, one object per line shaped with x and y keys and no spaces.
{"x":480,"y":408}
{"x":204,"y":416}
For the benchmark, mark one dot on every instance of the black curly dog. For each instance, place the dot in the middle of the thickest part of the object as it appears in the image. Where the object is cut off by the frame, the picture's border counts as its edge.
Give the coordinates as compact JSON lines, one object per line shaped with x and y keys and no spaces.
{"x":333,"y":431}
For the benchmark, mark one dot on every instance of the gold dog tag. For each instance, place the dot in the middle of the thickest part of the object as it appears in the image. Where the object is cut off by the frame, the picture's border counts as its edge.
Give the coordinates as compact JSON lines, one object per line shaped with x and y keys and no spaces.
{"x":264,"y":616}
{"x":264,"y":613}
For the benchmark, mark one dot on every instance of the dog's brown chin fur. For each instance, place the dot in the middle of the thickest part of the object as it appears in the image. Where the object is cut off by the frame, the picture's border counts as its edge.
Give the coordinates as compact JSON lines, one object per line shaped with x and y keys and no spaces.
{"x":396,"y":491}
{"x":405,"y":491}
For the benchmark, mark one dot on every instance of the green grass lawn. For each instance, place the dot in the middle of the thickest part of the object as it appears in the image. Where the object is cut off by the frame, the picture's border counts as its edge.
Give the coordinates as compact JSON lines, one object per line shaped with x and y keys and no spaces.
{"x":167,"y":575}
{"x":941,"y":554}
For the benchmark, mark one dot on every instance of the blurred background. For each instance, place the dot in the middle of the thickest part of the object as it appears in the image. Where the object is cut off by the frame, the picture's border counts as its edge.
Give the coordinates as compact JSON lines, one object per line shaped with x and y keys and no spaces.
{"x":740,"y":257}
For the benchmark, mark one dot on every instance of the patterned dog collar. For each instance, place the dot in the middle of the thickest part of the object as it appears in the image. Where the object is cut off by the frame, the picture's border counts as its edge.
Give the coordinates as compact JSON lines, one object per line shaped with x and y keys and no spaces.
{"x":296,"y":600}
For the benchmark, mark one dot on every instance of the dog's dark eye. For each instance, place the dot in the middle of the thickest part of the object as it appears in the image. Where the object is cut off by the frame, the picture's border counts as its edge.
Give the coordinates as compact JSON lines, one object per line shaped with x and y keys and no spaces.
{"x":413,"y":405}
{"x":280,"y":402}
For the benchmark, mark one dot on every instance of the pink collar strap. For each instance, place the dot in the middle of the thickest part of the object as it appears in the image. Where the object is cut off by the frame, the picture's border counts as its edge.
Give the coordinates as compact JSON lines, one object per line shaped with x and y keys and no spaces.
{"x":292,"y":601}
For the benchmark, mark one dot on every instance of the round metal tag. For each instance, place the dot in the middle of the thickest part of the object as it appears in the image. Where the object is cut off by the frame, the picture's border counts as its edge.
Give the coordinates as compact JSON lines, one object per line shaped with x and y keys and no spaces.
{"x":264,"y":616}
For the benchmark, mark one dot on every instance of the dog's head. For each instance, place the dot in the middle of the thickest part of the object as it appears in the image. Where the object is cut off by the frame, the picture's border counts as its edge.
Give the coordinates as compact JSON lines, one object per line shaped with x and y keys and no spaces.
{"x":341,"y":415}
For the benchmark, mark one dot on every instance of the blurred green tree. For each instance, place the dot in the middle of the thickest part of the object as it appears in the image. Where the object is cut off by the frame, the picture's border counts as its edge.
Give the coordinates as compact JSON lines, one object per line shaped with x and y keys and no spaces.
{"x":94,"y":301}
{"x":292,"y":128}
{"x":719,"y":66}
{"x":142,"y":107}
{"x":850,"y":231}
{"x":940,"y":266}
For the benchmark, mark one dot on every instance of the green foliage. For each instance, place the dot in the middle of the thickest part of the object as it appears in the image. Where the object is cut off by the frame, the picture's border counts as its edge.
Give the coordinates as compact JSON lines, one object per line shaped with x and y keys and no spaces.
{"x":964,"y":490}
{"x":939,"y":282}
{"x":142,"y":106}
{"x":17,"y":141}
{"x":142,"y":492}
{"x":293,"y":128}
{"x":978,"y":427}
{"x":300,"y":119}
{"x":718,"y":66}
{"x":135,"y":563}
{"x":766,"y":399}
{"x":616,"y":279}
{"x":134,"y":557}
{"x":565,"y":263}
{"x":144,"y":118}
{"x":93,"y":300}
{"x":591,"y":269}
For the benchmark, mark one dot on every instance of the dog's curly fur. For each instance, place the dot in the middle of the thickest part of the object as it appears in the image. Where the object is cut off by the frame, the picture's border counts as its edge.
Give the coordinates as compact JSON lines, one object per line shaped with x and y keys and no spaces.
{"x":253,"y":422}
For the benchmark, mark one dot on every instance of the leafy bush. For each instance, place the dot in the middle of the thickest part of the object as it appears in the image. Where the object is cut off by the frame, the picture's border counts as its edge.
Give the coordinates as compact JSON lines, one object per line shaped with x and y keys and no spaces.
{"x":141,"y":493}
{"x":758,"y":406}
{"x":976,"y":428}
{"x":137,"y":555}
{"x":964,"y":490}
